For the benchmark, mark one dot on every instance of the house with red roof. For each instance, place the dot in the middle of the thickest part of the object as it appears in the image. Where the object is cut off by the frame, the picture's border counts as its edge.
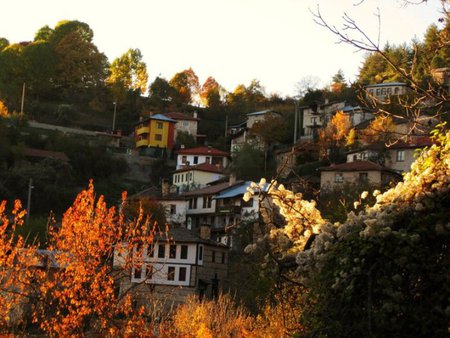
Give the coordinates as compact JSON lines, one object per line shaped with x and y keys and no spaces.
{"x":357,"y":171}
{"x":199,"y":155}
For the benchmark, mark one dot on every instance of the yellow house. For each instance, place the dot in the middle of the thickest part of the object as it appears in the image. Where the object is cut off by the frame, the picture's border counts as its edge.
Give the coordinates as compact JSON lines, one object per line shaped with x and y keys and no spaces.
{"x":155,"y":131}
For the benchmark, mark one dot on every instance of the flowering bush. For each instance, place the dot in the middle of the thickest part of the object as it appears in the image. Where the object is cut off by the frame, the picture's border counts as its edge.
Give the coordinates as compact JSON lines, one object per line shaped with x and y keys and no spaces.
{"x":382,"y":272}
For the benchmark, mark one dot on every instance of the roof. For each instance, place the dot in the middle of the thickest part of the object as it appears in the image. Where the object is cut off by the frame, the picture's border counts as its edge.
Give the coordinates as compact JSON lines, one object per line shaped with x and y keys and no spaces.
{"x":262,"y":112}
{"x":211,"y":190}
{"x":356,"y":166}
{"x":419,"y":142}
{"x":202,"y":151}
{"x":181,"y":116}
{"x":387,"y":84}
{"x":351,"y":108}
{"x":187,"y":236}
{"x":236,"y":190}
{"x":212,"y":168}
{"x":33,"y":152}
{"x":159,"y":117}
{"x":154,"y":193}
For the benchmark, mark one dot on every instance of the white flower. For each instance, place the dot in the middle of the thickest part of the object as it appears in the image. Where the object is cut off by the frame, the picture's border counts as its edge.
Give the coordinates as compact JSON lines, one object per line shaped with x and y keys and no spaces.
{"x":364,"y":194}
{"x":247,"y":196}
{"x":356,"y":204}
{"x":376,"y":193}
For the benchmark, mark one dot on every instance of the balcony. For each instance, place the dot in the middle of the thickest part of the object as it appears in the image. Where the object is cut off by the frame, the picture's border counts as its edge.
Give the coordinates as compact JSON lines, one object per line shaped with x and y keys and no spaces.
{"x":142,"y":143}
{"x":229,"y":209}
{"x":142,"y":130}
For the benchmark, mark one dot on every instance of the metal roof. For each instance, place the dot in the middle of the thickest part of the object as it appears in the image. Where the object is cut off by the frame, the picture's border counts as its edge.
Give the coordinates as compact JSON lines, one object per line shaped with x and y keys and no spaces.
{"x":236,"y":190}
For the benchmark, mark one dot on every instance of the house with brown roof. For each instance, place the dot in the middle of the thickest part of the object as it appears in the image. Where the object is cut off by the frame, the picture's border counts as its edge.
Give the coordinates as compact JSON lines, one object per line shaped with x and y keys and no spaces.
{"x":198,"y":155}
{"x":357,"y":171}
{"x":196,"y":176}
{"x":185,"y":123}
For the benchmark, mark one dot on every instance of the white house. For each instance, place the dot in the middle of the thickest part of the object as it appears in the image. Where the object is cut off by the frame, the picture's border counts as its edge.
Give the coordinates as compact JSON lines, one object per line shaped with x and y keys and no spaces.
{"x":382,"y":91}
{"x":176,"y":265}
{"x":198,"y":155}
{"x":196,"y":176}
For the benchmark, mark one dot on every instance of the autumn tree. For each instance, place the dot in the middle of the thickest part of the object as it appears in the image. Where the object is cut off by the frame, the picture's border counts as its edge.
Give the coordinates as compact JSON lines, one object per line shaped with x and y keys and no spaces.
{"x":338,"y":82}
{"x":128,"y":72}
{"x":333,"y":137}
{"x":210,"y":93}
{"x":187,"y":86}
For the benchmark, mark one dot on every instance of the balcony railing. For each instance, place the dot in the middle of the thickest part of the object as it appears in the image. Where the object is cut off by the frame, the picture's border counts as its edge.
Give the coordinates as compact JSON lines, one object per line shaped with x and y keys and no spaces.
{"x":229,"y":209}
{"x":142,"y":130}
{"x":142,"y":143}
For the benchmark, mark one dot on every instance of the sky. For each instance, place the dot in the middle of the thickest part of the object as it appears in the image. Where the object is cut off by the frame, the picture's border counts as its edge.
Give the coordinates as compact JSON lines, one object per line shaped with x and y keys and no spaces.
{"x":235,"y":41}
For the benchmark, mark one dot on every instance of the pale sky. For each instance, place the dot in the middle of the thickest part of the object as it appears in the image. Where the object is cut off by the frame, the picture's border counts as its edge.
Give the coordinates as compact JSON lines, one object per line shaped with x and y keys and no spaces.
{"x":235,"y":41}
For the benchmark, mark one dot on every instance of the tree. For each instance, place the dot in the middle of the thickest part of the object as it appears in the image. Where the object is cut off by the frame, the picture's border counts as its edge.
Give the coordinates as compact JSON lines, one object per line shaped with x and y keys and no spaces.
{"x":74,"y":292}
{"x":3,"y":43}
{"x":338,"y":82}
{"x":44,"y":34}
{"x":80,"y":67}
{"x":380,"y":271}
{"x":333,"y":137}
{"x":248,"y":163}
{"x":210,"y":93}
{"x":187,"y":86}
{"x":128,"y":72}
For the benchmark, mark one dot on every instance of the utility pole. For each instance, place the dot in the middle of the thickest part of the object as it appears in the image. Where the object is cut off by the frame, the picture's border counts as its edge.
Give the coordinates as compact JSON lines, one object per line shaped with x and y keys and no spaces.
{"x":30,"y":187}
{"x":295,"y":121}
{"x":23,"y":98}
{"x":114,"y":117}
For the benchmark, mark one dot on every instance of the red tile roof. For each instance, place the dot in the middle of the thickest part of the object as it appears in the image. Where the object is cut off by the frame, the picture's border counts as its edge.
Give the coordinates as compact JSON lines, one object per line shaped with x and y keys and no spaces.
{"x":201,"y":167}
{"x":418,"y":142}
{"x":32,"y":152}
{"x":202,"y":151}
{"x":181,"y":116}
{"x":356,"y":166}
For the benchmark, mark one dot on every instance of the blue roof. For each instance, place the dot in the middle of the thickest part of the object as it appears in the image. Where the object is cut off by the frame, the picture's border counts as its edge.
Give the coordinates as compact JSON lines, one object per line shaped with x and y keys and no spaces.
{"x":387,"y":84}
{"x":262,"y":112}
{"x":236,"y":190}
{"x":350,"y":108}
{"x":161,"y":117}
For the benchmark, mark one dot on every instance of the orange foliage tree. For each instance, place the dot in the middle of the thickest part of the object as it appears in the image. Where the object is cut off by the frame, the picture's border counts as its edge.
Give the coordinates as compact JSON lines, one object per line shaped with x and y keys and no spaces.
{"x":74,"y":292}
{"x":334,"y":135}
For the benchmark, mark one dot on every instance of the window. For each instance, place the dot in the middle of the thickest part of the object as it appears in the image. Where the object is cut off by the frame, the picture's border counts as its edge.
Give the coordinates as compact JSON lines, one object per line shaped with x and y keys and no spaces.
{"x":213,"y":256}
{"x":173,"y":251}
{"x":150,"y":249}
{"x":195,"y":159}
{"x":185,"y":123}
{"x":383,"y":91}
{"x":378,"y":91}
{"x":223,"y":258}
{"x":149,"y":271}
{"x":173,"y":209}
{"x":138,"y":272}
{"x":208,"y":159}
{"x":400,"y":155}
{"x":389,"y":91}
{"x":182,"y":274}
{"x":158,"y":137}
{"x":161,"y":250}
{"x":194,"y":203}
{"x":247,"y":204}
{"x":314,"y":120}
{"x":396,"y":90}
{"x":207,"y":202}
{"x":183,"y":159}
{"x":338,"y":178}
{"x":200,"y":253}
{"x":171,"y":273}
{"x":159,"y":125}
{"x":184,"y":252}
{"x":355,"y":157}
{"x":364,"y":177}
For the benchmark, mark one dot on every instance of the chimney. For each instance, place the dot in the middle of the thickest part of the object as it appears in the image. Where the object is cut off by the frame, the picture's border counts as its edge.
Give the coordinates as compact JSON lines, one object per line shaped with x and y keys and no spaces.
{"x":232,"y":179}
{"x":165,"y":188}
{"x":195,"y":115}
{"x":205,"y":231}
